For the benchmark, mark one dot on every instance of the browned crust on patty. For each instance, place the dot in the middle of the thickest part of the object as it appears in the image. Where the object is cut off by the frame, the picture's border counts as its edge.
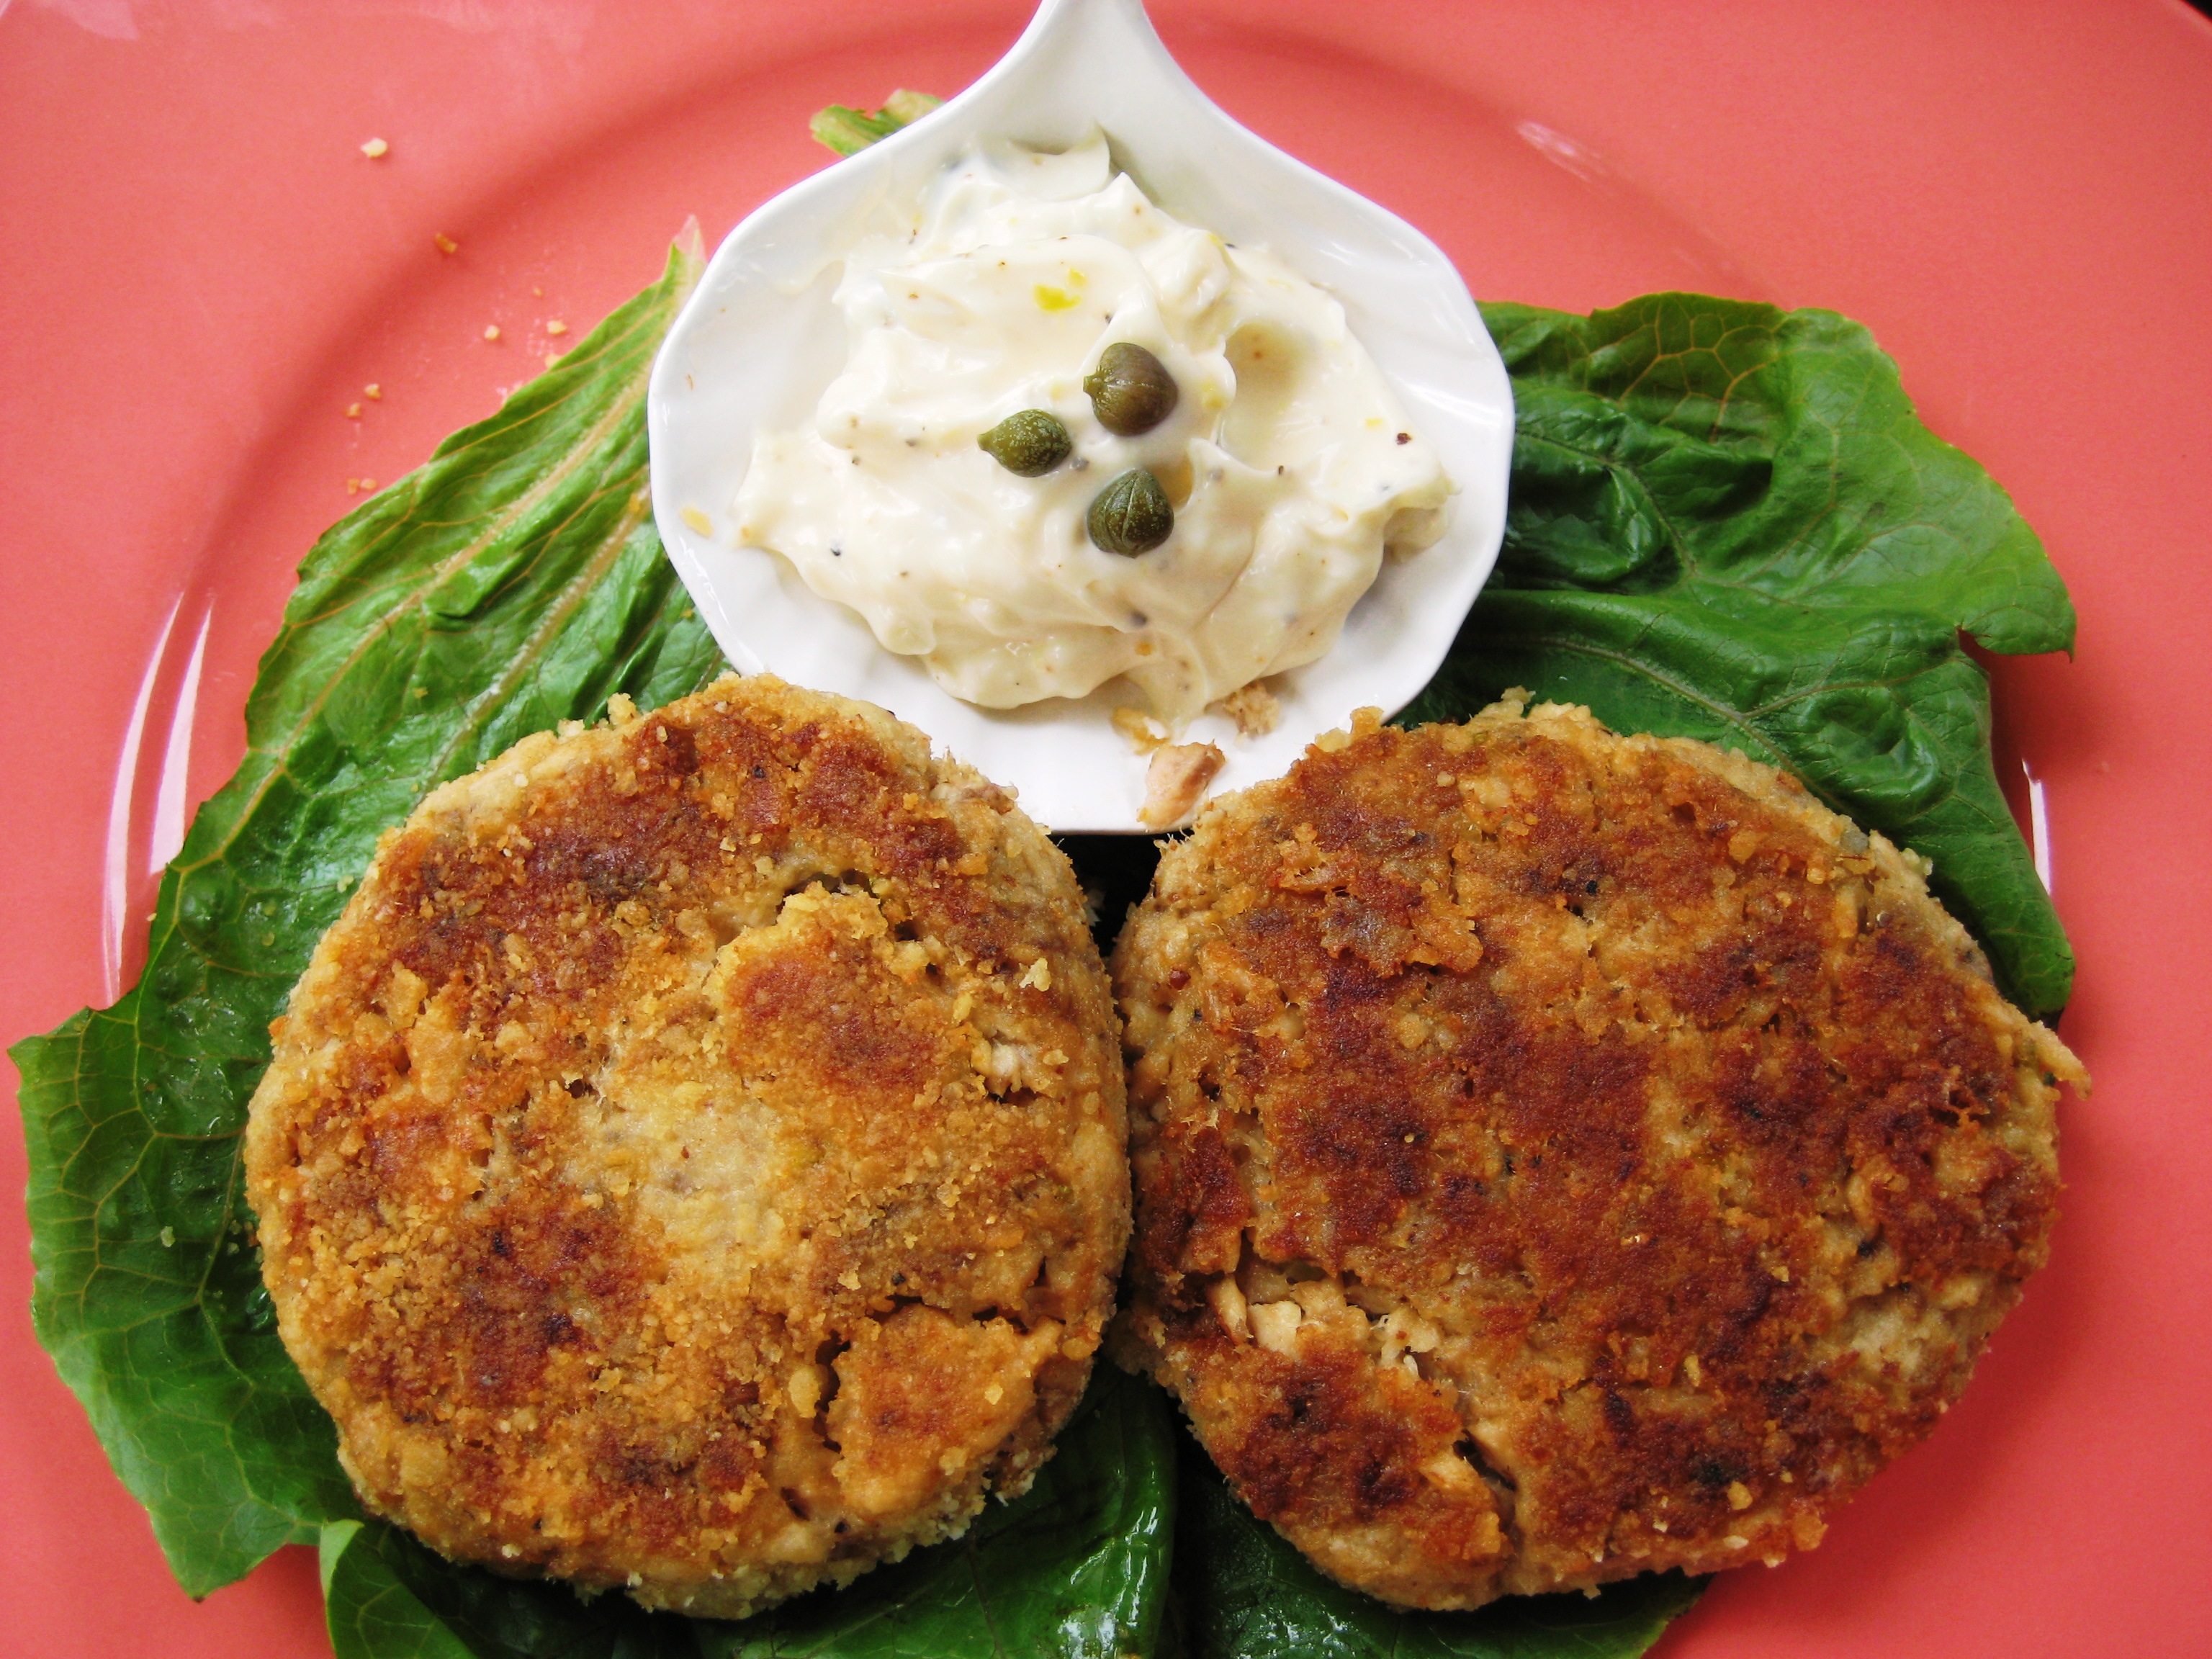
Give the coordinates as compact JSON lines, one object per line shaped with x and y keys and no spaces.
{"x":1561,"y":1155}
{"x":695,"y":1161}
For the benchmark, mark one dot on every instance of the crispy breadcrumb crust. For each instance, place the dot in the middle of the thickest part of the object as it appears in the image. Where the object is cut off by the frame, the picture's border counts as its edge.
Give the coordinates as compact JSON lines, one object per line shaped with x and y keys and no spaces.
{"x":695,"y":1159}
{"x":1561,"y":1155}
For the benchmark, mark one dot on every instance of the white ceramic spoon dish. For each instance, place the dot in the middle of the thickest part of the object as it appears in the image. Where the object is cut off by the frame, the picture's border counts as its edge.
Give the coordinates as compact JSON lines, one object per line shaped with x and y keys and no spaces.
{"x":761,"y":338}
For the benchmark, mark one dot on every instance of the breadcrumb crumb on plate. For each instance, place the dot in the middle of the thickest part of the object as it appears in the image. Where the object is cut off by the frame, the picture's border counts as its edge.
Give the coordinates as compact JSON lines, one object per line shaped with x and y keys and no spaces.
{"x":694,"y":1162}
{"x":1254,"y":710}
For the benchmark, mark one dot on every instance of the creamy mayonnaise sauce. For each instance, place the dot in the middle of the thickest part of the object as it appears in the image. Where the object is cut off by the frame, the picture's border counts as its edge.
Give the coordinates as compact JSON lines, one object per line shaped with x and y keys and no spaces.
{"x":1289,"y":466}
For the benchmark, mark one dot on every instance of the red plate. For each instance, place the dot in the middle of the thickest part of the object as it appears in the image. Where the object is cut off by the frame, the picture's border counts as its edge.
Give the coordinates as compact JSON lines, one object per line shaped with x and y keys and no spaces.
{"x":202,"y":271}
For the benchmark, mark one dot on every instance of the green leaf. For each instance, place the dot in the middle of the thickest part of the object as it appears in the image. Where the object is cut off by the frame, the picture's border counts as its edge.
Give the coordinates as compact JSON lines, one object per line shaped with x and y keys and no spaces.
{"x":384,"y":1596}
{"x":849,"y":131}
{"x":1244,"y":1592}
{"x":1726,"y":522}
{"x":370,"y":1613}
{"x":1076,"y":1568}
{"x":514,"y":580}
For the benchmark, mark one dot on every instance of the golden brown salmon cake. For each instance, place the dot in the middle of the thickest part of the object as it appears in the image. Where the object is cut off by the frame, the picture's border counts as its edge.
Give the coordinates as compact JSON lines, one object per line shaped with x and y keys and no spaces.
{"x":1560,"y":1155}
{"x":696,"y":1160}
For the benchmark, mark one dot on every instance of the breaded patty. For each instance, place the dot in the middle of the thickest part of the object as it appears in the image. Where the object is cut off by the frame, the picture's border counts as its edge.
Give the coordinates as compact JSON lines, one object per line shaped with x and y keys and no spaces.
{"x":696,"y":1160}
{"x":1560,"y":1155}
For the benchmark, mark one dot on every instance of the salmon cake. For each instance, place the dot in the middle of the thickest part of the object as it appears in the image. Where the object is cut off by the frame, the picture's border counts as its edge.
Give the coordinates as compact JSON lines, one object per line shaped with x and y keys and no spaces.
{"x":696,"y":1160}
{"x":1561,"y":1155}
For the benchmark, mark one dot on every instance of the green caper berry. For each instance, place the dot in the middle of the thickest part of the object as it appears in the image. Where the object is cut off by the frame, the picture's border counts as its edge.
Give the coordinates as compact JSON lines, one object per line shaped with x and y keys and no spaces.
{"x":1131,"y":515}
{"x":1131,"y":389}
{"x":1029,"y":444}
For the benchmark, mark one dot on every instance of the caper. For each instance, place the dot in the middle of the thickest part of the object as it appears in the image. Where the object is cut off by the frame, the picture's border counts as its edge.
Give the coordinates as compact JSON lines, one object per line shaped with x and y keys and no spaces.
{"x":1029,"y":444}
{"x":1131,"y":389}
{"x":1131,"y":515}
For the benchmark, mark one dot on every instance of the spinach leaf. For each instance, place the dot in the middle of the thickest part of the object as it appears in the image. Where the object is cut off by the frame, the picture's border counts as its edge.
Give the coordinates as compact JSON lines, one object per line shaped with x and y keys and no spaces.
{"x":1243,"y":1592}
{"x":1076,"y":1568}
{"x":384,"y":1596}
{"x":1726,"y":522}
{"x":371,"y":1613}
{"x":514,"y":580}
